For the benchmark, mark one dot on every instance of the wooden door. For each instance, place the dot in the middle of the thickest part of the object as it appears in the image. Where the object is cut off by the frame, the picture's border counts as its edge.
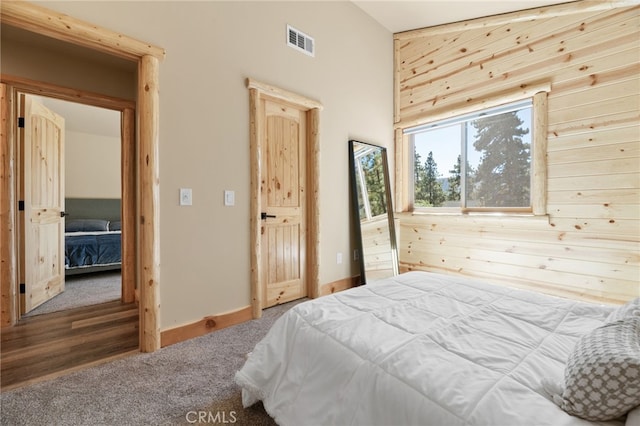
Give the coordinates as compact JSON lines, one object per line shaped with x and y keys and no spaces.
{"x":43,"y":167}
{"x":283,"y":230}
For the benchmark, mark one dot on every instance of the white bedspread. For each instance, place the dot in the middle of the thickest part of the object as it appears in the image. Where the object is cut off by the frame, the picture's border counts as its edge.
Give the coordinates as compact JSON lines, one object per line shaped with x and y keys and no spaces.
{"x":418,"y":349}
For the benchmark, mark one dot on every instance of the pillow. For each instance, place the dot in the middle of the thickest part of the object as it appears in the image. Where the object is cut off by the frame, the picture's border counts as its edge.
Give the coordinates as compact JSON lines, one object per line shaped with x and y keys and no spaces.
{"x":629,"y":309}
{"x":86,"y":225}
{"x":602,"y":375}
{"x":633,"y":418}
{"x":116,"y":225}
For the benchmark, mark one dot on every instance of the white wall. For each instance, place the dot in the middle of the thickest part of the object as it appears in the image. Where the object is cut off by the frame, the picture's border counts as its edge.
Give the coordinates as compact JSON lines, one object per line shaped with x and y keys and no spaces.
{"x":92,"y":166}
{"x":212,"y":47}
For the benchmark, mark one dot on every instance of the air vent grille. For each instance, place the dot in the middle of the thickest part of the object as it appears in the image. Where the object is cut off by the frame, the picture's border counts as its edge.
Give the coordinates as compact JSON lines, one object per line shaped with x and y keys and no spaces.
{"x":300,"y":41}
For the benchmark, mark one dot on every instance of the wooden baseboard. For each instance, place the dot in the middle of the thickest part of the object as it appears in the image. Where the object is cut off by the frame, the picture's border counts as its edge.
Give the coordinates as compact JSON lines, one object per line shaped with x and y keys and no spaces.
{"x":204,"y":326}
{"x":218,"y":322}
{"x":339,"y":285}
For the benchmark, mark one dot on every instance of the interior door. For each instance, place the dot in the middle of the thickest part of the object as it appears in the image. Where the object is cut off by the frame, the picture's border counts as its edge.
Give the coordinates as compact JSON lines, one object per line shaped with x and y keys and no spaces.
{"x":43,"y":167}
{"x":283,"y":230}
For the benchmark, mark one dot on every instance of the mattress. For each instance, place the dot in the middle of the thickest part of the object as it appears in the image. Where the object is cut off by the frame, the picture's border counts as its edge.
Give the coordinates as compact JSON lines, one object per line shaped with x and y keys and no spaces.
{"x":419,"y":349}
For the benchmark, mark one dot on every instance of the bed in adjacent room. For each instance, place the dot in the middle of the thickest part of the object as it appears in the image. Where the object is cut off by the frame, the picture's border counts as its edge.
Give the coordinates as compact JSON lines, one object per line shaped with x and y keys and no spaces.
{"x":431,"y":349}
{"x":92,"y":245}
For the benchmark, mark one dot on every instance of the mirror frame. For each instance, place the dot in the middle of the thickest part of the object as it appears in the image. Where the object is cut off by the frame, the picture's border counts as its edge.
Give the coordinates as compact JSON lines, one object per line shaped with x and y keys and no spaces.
{"x":355,"y":209}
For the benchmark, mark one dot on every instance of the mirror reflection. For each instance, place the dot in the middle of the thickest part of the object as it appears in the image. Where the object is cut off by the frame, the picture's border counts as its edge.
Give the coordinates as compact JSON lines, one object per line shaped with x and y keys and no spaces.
{"x":372,"y":211}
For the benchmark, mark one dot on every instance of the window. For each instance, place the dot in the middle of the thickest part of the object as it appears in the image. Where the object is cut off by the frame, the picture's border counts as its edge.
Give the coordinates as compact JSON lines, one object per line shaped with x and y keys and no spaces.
{"x":477,"y":161}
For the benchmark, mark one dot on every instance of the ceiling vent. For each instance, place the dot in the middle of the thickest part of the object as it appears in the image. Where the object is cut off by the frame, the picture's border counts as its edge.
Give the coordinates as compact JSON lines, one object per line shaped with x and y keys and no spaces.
{"x":300,"y":41}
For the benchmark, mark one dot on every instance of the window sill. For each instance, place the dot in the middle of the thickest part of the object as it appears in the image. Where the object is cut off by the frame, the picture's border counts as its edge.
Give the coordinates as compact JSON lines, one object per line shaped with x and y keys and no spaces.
{"x":490,"y":216}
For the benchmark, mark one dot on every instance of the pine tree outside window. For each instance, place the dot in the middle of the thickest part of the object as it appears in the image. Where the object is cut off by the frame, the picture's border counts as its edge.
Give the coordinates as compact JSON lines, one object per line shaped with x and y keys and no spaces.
{"x":478,"y":161}
{"x":369,"y":169}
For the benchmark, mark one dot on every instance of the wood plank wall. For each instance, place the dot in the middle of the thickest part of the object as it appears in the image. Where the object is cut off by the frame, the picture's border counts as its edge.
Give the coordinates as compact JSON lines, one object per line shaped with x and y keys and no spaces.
{"x":588,"y":244}
{"x":376,"y":243}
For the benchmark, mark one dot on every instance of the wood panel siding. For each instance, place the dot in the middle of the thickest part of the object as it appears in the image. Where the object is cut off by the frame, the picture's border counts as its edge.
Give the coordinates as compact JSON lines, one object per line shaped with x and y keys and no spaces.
{"x":376,"y":243}
{"x":588,"y":243}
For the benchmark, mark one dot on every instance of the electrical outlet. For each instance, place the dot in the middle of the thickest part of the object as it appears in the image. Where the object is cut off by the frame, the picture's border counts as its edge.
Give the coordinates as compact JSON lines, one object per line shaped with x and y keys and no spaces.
{"x":356,"y":255}
{"x":186,"y":198}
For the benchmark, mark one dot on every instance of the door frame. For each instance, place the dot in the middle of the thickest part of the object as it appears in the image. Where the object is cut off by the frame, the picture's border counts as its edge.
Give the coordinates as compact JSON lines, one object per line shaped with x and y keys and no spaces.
{"x":62,"y":27}
{"x":258,"y":91}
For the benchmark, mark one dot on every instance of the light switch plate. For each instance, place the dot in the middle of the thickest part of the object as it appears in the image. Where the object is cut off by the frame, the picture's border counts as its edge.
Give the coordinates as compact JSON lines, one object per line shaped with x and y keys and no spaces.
{"x":229,"y":198}
{"x":186,"y":197}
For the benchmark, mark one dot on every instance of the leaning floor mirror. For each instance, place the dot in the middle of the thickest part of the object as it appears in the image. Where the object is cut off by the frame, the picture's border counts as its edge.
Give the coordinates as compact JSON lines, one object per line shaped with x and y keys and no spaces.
{"x":372,"y":211}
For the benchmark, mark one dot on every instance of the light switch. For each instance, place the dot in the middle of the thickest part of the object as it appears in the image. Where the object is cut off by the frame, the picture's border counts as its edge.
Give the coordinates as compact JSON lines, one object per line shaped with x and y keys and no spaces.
{"x":229,"y":198}
{"x":185,"y":197}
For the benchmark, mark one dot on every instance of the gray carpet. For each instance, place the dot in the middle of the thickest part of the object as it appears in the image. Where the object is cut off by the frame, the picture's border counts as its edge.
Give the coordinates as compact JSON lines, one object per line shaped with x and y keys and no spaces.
{"x":160,"y":388}
{"x":83,"y":290}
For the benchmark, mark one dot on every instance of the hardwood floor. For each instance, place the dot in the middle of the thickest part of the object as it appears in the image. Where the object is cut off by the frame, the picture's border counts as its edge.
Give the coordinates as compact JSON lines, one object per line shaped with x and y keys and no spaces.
{"x":51,"y":344}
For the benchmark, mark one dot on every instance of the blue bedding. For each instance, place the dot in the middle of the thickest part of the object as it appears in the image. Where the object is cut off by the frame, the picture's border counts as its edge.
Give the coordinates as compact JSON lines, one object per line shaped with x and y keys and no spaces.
{"x":88,"y":249}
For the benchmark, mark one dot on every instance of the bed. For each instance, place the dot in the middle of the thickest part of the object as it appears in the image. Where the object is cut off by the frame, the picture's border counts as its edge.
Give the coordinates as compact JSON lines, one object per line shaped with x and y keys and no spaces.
{"x":92,"y":245}
{"x":431,"y":349}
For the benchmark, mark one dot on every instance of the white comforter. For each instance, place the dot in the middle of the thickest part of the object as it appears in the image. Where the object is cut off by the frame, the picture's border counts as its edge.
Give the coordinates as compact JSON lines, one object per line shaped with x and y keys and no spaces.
{"x":418,"y":349}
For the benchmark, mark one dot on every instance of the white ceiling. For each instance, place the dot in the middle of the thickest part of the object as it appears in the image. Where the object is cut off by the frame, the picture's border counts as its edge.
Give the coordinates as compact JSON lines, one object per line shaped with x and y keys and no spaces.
{"x":401,"y":15}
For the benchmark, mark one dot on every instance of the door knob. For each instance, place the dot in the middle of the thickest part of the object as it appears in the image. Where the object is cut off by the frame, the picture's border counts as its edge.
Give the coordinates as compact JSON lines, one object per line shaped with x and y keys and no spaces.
{"x":264,"y":216}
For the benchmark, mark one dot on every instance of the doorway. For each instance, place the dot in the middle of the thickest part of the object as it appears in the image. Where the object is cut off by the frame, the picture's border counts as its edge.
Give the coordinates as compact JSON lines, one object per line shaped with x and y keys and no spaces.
{"x":126,"y":190}
{"x":39,"y":346}
{"x":90,"y":191}
{"x":283,"y":122}
{"x":93,"y":41}
{"x":283,"y":200}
